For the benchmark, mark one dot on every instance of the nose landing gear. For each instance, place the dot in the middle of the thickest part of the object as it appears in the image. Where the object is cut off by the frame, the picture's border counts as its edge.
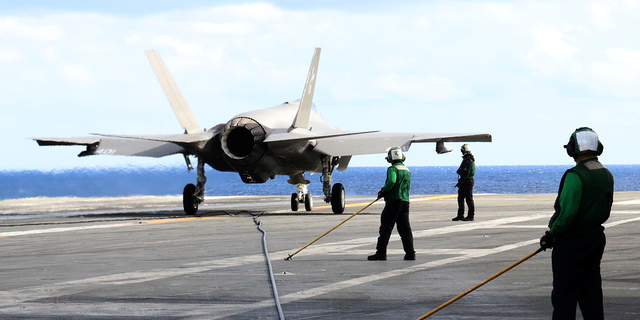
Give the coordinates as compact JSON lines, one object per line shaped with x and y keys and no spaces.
{"x":303,"y":196}
{"x":333,"y":195}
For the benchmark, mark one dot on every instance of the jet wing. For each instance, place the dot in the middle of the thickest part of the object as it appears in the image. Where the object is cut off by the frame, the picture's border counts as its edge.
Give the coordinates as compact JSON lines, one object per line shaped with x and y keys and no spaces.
{"x":380,"y":142}
{"x":70,"y":141}
{"x":107,"y":145}
{"x":451,"y":137}
{"x":174,"y":138}
{"x":368,"y":143}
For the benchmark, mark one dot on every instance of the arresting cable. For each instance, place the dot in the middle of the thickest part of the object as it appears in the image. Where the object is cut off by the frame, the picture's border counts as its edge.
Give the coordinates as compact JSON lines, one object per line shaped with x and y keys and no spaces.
{"x":271,"y":278}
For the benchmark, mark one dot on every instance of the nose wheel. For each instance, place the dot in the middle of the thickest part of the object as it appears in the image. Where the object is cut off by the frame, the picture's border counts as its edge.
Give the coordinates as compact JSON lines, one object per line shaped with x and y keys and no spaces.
{"x":303,"y":196}
{"x":308,"y":202}
{"x":334,"y":195}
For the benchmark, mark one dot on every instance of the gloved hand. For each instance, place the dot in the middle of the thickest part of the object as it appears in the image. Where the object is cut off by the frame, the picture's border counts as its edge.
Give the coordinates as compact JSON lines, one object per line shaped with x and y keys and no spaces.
{"x":458,"y":185}
{"x":546,"y":242}
{"x":380,"y":194}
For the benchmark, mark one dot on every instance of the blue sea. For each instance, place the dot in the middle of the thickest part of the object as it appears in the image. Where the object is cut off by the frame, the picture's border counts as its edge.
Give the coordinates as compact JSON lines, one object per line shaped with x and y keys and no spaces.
{"x":357,"y":180}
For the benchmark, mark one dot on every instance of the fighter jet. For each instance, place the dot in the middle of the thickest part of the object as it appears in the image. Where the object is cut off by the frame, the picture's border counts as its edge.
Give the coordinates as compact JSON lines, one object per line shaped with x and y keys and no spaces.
{"x":289,"y":139}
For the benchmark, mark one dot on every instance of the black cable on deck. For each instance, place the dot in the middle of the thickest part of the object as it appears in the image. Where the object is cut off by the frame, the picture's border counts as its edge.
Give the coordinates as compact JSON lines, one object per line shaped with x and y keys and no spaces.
{"x":266,"y":255}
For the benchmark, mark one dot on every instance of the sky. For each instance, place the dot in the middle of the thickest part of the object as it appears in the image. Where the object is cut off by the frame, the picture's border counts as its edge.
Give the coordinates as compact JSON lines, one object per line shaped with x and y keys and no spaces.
{"x":527,"y":72}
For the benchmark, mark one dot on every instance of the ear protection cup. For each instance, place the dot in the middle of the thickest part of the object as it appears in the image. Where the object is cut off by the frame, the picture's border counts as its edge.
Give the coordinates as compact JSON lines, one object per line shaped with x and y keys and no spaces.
{"x":571,"y":146}
{"x":600,"y":148}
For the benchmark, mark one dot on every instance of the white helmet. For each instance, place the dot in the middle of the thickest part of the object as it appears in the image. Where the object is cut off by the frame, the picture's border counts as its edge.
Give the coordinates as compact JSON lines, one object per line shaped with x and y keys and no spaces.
{"x":395,"y":154}
{"x":465,"y":148}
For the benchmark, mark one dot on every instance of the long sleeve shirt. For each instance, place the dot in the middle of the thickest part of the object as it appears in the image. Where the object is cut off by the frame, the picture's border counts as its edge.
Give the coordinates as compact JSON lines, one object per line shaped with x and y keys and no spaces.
{"x":584,"y":199}
{"x":398,"y":183}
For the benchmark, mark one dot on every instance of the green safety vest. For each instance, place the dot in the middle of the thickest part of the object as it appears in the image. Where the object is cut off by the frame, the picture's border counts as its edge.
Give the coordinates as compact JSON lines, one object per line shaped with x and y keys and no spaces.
{"x":398,"y":183}
{"x":583,"y":204}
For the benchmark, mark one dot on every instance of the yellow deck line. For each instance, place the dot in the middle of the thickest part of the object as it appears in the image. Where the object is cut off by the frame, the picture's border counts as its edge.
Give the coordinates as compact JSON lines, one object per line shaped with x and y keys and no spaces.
{"x":177,"y":220}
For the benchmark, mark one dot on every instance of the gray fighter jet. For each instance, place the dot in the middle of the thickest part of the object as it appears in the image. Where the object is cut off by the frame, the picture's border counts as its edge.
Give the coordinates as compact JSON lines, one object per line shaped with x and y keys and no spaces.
{"x":288,"y":139}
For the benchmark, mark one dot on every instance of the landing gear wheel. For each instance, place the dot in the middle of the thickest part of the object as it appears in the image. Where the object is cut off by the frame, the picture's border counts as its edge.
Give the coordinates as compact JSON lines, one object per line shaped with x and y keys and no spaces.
{"x":189,"y":200}
{"x":308,"y":202}
{"x":294,"y":202}
{"x":337,"y":198}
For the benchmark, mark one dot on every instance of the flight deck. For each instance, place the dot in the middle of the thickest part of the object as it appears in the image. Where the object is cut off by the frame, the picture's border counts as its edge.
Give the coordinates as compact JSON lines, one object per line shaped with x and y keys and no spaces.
{"x":143,"y":258}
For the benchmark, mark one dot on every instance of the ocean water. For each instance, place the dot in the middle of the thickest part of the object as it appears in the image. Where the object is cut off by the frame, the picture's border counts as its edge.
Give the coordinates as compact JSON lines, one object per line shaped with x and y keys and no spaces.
{"x":357,"y":181}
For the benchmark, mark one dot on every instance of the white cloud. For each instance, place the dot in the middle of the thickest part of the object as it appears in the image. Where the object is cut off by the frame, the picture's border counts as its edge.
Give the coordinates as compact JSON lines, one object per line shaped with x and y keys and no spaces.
{"x":15,"y":28}
{"x":623,"y":65}
{"x":421,"y":87}
{"x":600,"y":13}
{"x":51,"y":53}
{"x":619,"y":74}
{"x":550,"y":42}
{"x":258,"y":11}
{"x":220,"y":28}
{"x":9,"y":55}
{"x":76,"y":74}
{"x":133,"y":39}
{"x":500,"y":11}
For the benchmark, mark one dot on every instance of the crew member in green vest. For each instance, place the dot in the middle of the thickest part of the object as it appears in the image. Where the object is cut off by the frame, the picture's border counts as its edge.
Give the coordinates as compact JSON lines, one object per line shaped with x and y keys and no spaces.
{"x":576,"y":232}
{"x":466,"y":171}
{"x":396,"y":209}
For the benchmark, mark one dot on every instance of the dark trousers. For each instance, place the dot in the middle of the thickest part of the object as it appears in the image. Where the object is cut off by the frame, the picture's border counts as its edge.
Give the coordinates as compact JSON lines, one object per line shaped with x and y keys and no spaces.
{"x":465,"y":192}
{"x":575,"y":261}
{"x":395,"y":213}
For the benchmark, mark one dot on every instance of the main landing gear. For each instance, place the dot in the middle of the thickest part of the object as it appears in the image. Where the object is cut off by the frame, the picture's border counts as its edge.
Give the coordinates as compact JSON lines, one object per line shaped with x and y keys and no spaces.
{"x":193,"y":195}
{"x":334,"y":195}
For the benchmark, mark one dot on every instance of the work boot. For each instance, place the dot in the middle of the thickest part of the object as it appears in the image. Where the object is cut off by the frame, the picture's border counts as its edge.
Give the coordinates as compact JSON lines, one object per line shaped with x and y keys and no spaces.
{"x":377,"y":257}
{"x":458,"y":218}
{"x":468,"y":218}
{"x":410,"y":256}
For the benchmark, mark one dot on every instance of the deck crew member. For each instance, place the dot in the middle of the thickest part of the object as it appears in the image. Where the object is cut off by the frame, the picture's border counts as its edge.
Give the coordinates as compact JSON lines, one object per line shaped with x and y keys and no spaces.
{"x":396,"y":209}
{"x":465,"y":172}
{"x":576,"y":232}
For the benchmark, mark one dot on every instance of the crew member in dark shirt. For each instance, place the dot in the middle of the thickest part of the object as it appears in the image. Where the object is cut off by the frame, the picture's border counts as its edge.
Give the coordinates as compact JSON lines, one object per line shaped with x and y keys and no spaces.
{"x":575,"y":231}
{"x":465,"y":184}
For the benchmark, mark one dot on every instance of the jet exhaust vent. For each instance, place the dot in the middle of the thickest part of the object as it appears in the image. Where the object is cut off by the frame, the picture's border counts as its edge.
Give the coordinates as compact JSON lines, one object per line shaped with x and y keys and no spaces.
{"x":243,"y":141}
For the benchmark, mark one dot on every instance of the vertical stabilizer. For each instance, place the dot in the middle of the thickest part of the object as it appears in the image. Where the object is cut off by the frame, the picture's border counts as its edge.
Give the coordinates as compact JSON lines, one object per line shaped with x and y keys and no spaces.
{"x":302,"y":117}
{"x":176,"y":100}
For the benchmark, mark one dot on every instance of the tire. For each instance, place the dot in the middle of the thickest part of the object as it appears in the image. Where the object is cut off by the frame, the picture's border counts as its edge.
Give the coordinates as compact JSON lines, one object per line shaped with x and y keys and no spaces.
{"x":337,"y":198}
{"x":188,"y":199}
{"x":308,"y":202}
{"x":294,"y":202}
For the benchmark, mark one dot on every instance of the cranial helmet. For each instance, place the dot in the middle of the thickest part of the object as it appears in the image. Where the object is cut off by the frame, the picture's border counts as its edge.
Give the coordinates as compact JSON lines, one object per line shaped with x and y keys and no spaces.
{"x":465,"y":148}
{"x":584,"y":141}
{"x":395,"y":154}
